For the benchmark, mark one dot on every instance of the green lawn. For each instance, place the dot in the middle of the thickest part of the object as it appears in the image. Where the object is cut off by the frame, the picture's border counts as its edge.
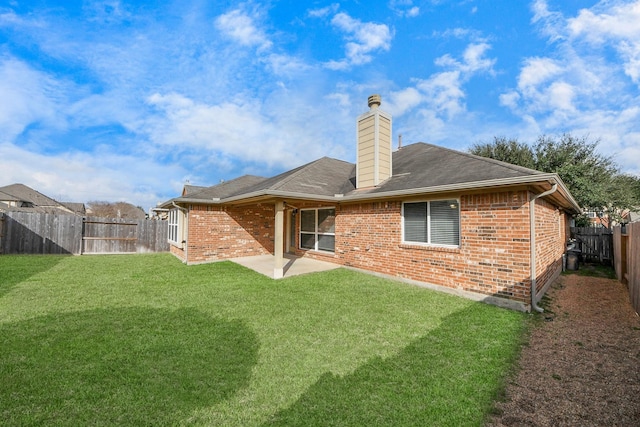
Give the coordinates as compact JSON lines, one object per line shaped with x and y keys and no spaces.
{"x":146,"y":340}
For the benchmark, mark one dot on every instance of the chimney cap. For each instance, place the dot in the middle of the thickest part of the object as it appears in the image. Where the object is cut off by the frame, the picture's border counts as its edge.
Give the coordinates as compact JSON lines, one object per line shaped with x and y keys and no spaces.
{"x":374,"y":101}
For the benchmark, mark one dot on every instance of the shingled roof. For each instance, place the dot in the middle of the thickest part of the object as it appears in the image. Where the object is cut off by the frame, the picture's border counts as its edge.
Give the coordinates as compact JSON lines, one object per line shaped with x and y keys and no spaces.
{"x":422,"y":165}
{"x":19,"y":197}
{"x":226,"y":188}
{"x":322,"y":177}
{"x":417,"y":168}
{"x":22,"y":193}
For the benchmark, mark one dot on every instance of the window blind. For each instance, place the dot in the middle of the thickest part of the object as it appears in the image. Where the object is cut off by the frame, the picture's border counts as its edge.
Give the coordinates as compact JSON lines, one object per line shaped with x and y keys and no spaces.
{"x":415,"y":222}
{"x":445,"y":222}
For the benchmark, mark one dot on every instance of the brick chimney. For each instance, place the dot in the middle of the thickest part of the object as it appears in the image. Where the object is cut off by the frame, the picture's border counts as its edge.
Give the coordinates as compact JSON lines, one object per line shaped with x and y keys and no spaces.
{"x":373,"y":134}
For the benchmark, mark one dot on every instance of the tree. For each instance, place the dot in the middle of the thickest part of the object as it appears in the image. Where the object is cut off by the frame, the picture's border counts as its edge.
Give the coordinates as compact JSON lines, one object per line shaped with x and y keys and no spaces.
{"x":588,"y":174}
{"x":115,"y":210}
{"x":506,"y":150}
{"x":594,"y":180}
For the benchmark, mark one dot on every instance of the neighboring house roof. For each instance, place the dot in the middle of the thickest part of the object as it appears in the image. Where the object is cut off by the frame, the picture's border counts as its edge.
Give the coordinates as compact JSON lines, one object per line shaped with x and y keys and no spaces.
{"x":23,"y":193}
{"x":418,"y":168}
{"x":19,"y":197}
{"x":633,"y":216}
{"x":78,"y":208}
{"x":6,"y":197}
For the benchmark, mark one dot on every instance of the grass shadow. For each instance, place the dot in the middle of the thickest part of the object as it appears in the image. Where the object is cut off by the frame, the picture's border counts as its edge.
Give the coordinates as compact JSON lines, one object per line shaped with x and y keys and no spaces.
{"x":448,"y":377}
{"x":121,"y":366}
{"x":15,"y":269}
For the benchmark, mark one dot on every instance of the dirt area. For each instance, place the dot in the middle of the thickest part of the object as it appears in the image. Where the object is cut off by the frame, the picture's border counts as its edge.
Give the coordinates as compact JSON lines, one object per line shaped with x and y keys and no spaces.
{"x":582,"y":364}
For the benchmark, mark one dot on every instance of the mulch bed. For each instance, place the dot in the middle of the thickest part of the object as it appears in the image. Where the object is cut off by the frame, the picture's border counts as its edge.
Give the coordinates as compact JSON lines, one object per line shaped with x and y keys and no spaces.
{"x":582,"y":364}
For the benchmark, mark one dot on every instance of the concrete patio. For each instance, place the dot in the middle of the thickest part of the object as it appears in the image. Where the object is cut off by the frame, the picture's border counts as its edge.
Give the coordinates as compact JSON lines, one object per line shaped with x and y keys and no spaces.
{"x":293,"y":265}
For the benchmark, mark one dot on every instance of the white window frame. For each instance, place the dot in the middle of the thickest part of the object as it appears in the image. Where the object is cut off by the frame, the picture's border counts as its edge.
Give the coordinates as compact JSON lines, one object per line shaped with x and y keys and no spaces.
{"x":175,"y":223}
{"x":317,"y":233}
{"x":428,"y":224}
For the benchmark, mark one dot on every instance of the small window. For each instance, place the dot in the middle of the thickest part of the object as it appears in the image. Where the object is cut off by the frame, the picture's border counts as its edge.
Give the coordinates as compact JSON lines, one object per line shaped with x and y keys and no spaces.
{"x":434,"y":222}
{"x":317,"y":229}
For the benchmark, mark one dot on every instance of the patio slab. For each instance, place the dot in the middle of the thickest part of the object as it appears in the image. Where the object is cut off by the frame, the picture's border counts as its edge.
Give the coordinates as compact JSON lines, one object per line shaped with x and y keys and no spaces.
{"x":293,"y":265}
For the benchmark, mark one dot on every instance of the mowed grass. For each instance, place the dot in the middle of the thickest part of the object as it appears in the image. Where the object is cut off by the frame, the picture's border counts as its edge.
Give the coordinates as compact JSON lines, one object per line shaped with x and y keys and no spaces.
{"x":146,"y":340}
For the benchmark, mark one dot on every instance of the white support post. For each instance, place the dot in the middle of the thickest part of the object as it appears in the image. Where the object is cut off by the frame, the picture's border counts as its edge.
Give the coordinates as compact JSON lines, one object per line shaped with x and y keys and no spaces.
{"x":278,"y":269}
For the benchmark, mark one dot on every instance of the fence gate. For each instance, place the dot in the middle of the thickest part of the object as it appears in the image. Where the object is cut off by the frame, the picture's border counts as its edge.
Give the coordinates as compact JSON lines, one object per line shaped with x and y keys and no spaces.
{"x":596,"y":243}
{"x":113,"y":235}
{"x":101,"y":235}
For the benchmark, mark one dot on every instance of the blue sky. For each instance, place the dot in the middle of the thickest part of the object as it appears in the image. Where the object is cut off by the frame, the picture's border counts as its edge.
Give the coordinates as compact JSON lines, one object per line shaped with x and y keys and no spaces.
{"x":126,"y":101}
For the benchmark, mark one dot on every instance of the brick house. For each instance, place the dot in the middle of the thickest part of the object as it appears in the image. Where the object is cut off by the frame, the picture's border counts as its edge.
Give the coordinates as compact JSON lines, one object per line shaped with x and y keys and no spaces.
{"x":441,"y":218}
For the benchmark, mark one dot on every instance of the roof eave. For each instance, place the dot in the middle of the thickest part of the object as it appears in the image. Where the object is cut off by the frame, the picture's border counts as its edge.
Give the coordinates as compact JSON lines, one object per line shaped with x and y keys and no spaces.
{"x":249,"y":197}
{"x":550,"y":178}
{"x":258,"y":196}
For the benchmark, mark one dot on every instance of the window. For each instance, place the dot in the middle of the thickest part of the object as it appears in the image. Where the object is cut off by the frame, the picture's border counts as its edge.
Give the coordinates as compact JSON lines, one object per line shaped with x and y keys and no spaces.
{"x":317,"y":229}
{"x":434,"y":223}
{"x":176,"y":221}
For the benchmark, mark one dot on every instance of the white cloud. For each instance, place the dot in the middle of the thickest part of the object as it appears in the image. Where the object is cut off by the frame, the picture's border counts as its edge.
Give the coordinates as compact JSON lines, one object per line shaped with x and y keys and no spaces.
{"x":404,"y":8}
{"x":106,"y":11}
{"x":579,"y":87}
{"x":614,"y":19}
{"x":551,"y":23}
{"x":81,"y":177}
{"x":541,"y":88}
{"x":34,"y":97}
{"x":323,"y":12}
{"x":510,"y":99}
{"x":536,"y":71}
{"x":240,"y":26}
{"x":363,"y":39}
{"x":273,"y":134}
{"x":405,"y":100}
{"x":457,"y":32}
{"x":443,"y":93}
{"x":473,"y":59}
{"x":286,"y":65}
{"x":613,"y":24}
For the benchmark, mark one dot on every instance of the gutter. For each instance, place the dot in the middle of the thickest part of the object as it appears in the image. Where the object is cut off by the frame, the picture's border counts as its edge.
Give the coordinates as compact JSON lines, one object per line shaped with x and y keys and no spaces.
{"x":186,"y":227}
{"x":532,"y":243}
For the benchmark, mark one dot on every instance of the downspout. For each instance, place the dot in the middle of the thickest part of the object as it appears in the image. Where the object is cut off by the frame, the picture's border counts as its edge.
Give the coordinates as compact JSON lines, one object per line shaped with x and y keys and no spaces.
{"x":532,"y":242}
{"x":186,"y":228}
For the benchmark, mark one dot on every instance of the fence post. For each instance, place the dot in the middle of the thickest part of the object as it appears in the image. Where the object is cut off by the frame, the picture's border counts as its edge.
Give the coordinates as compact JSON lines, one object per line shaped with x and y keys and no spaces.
{"x":633,"y":259}
{"x":84,"y":218}
{"x":1,"y":231}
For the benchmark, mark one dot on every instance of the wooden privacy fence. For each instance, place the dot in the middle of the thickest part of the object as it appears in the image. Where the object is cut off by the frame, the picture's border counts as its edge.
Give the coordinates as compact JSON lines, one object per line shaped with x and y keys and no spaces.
{"x":627,"y":260}
{"x":39,"y":233}
{"x":595,"y":243}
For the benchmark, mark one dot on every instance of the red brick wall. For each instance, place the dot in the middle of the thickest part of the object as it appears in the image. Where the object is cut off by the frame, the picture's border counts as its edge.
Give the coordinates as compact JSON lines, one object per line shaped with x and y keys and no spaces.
{"x":493,"y":257}
{"x":179,"y":252}
{"x":226,"y":232}
{"x":551,"y":238}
